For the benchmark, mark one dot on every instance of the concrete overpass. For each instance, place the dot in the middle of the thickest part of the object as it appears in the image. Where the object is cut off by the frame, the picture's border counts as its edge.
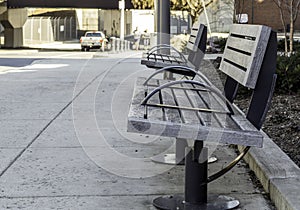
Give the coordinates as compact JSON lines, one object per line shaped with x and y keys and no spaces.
{"x":13,"y":14}
{"x":103,"y":4}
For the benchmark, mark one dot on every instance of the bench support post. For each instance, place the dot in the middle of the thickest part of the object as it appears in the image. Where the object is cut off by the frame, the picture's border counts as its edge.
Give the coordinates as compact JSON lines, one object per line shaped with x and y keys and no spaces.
{"x":195,"y":196}
{"x":176,"y":158}
{"x":196,"y":174}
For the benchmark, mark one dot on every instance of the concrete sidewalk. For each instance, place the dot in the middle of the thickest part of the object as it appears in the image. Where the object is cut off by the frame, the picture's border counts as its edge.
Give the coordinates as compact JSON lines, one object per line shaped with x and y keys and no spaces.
{"x":64,"y":144}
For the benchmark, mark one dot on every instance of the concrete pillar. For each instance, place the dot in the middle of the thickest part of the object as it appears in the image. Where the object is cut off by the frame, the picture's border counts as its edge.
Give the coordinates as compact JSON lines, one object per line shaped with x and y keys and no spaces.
{"x":13,"y":37}
{"x":122,"y":45}
{"x":113,"y":44}
{"x":118,"y":44}
{"x":13,"y":21}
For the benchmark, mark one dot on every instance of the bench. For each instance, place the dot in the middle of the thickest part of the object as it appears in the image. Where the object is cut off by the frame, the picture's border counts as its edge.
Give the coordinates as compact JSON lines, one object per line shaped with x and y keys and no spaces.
{"x":197,"y":110}
{"x":163,"y":55}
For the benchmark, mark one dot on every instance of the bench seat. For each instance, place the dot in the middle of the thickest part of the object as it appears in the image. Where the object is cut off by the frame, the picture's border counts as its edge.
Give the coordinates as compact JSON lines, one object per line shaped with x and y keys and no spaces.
{"x":154,"y":60}
{"x":215,"y":124}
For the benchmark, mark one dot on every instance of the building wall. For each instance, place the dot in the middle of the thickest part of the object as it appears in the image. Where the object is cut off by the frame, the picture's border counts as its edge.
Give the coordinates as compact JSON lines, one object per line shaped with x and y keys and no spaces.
{"x":143,"y":20}
{"x":220,"y":15}
{"x":87,"y":19}
{"x":264,"y":12}
{"x":110,"y":22}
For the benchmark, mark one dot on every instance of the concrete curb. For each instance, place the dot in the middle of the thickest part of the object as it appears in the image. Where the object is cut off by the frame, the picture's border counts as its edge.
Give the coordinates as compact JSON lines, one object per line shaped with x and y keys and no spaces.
{"x":49,"y":49}
{"x":279,"y":175}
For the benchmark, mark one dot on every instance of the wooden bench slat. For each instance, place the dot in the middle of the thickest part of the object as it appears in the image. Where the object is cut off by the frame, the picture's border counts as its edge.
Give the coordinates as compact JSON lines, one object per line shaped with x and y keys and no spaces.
{"x":225,"y":120}
{"x":243,"y":45}
{"x":205,"y":117}
{"x":171,"y":115}
{"x":217,"y":120}
{"x":233,"y":71}
{"x":248,"y":30}
{"x":193,"y":35}
{"x":187,"y":115}
{"x":192,"y":39}
{"x":238,"y":59}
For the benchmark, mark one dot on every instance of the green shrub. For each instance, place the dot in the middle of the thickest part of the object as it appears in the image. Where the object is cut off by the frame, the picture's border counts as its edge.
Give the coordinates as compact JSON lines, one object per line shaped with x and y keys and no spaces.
{"x":296,"y":46}
{"x":221,"y":42}
{"x":288,"y":73}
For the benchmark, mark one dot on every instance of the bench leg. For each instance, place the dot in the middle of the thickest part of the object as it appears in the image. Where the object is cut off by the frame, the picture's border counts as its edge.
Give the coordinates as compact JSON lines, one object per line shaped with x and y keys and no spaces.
{"x":177,"y":158}
{"x":195,"y":196}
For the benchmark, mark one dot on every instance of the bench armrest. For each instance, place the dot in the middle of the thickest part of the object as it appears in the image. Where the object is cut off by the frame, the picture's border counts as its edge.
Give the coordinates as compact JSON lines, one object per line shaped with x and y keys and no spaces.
{"x":185,"y":68}
{"x":165,"y":46}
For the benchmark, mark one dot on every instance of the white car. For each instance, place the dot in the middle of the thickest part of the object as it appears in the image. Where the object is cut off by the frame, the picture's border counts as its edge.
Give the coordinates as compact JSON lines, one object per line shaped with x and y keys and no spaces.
{"x":93,"y":40}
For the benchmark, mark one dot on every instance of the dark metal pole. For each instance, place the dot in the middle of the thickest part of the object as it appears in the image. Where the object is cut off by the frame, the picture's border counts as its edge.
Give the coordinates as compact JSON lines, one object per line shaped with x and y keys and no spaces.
{"x":164,"y":31}
{"x":196,"y":175}
{"x":164,"y":21}
{"x":157,"y":14}
{"x":252,"y":13}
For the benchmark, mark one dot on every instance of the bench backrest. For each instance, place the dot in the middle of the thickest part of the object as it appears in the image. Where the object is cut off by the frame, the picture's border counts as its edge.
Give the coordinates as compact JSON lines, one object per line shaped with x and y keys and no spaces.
{"x":198,"y":34}
{"x":197,"y":43}
{"x":244,"y":53}
{"x":250,"y":60}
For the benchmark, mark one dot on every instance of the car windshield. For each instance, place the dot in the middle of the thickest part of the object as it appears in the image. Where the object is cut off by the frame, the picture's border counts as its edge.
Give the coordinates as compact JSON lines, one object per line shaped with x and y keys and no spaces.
{"x":93,"y":35}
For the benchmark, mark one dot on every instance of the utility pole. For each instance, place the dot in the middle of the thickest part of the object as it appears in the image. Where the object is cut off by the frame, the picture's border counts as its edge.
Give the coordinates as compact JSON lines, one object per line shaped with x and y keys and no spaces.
{"x":252,"y":12}
{"x":157,"y":20}
{"x":122,"y":19}
{"x":164,"y":27}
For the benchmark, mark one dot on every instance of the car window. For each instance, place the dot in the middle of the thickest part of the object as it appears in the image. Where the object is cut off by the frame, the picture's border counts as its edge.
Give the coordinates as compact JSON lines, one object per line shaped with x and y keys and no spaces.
{"x":93,"y":35}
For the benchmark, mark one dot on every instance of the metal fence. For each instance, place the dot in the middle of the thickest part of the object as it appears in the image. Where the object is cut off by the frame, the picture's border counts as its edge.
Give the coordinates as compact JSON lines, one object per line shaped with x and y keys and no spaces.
{"x":49,"y":29}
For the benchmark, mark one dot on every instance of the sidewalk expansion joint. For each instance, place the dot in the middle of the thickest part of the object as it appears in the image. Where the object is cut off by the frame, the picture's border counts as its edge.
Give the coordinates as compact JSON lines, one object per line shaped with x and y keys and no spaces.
{"x":58,"y":114}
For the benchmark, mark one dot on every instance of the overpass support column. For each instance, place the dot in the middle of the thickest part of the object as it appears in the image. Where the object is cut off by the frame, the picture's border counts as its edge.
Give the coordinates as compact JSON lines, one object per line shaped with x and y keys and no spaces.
{"x":13,"y":21}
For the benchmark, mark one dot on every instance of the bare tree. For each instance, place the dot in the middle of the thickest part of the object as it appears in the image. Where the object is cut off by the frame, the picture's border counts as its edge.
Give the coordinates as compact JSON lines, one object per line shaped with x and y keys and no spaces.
{"x":194,"y":7}
{"x":290,"y":9}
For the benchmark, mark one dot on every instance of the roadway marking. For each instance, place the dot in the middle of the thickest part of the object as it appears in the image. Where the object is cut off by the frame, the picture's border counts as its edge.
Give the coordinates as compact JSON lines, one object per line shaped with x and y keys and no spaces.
{"x":44,"y":66}
{"x":30,"y":68}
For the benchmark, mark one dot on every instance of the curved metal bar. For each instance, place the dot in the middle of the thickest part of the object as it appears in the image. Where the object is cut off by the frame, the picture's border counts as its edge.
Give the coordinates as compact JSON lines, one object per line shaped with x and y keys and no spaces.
{"x":211,"y":88}
{"x":164,"y":47}
{"x":228,"y":167}
{"x":160,"y":45}
{"x":168,"y":68}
